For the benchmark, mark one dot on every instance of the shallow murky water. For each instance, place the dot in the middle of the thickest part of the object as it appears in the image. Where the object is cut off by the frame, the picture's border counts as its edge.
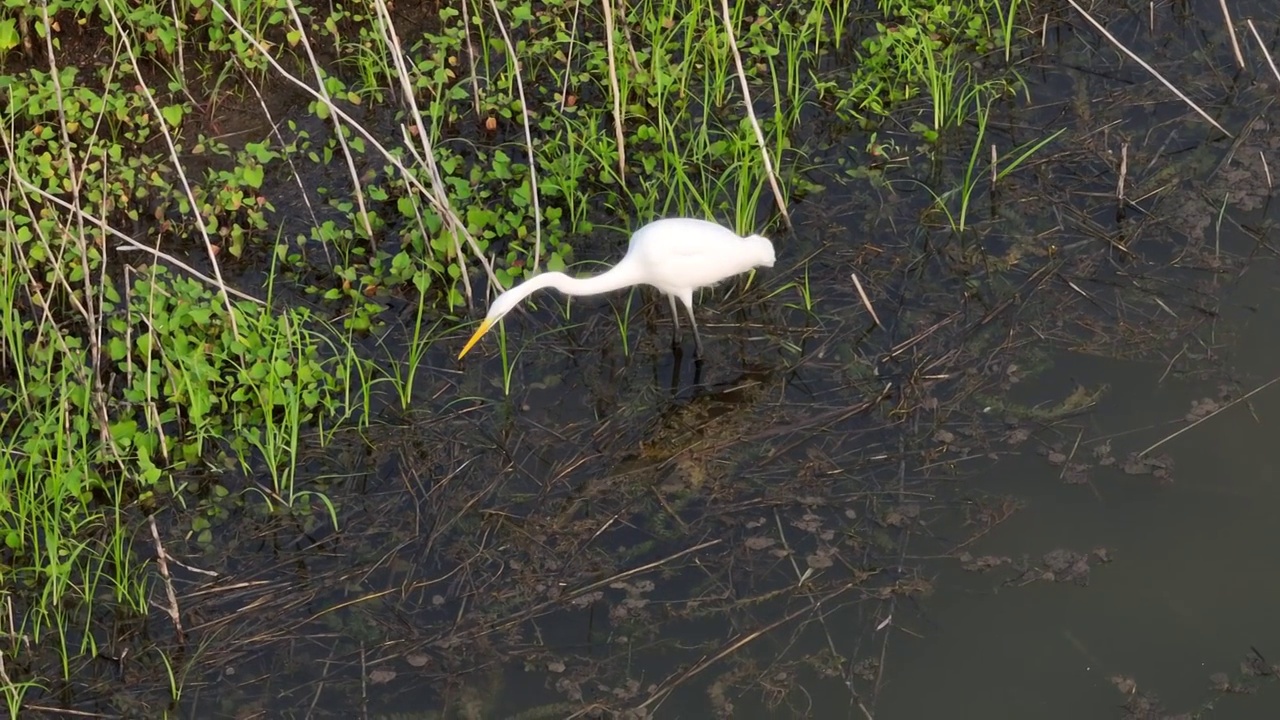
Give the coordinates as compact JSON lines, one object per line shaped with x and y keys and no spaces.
{"x":1193,"y":585}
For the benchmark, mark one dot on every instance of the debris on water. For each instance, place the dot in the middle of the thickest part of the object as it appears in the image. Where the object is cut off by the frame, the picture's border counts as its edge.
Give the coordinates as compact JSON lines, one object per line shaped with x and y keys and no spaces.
{"x":1067,"y":565}
{"x":989,"y":515}
{"x":1103,"y":455}
{"x":1017,"y":436}
{"x":570,"y":688}
{"x":1075,"y":473}
{"x":821,"y":559}
{"x":983,"y":563}
{"x":809,"y":523}
{"x":1147,"y":706}
{"x":1125,"y":684}
{"x":900,"y":516}
{"x":587,"y":599}
{"x":1141,"y":705}
{"x":1159,"y":467}
{"x":867,"y":669}
{"x":628,"y":690}
{"x":1202,"y":408}
{"x":718,"y":694}
{"x":1059,"y":565}
{"x":1254,"y":665}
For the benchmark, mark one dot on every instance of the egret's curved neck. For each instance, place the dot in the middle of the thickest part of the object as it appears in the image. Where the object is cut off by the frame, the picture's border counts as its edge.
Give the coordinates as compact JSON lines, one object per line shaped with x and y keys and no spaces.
{"x":624,"y":274}
{"x":619,"y":276}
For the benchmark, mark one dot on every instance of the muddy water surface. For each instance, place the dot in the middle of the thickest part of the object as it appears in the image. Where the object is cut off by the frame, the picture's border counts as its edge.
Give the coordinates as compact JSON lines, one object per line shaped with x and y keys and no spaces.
{"x":1194,"y":583}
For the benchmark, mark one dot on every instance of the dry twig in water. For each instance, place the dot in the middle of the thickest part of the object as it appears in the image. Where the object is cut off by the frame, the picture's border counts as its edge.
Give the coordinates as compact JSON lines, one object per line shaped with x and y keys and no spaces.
{"x":1228,"y":406}
{"x":1263,"y":47}
{"x":162,"y":561}
{"x":1147,"y":67}
{"x":1231,"y":30}
{"x":866,"y":301}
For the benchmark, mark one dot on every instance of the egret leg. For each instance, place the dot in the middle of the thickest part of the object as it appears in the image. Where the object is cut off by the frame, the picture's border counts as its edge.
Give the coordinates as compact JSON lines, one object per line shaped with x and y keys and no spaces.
{"x":677,"y":358}
{"x":697,"y":339}
{"x":675,"y":318}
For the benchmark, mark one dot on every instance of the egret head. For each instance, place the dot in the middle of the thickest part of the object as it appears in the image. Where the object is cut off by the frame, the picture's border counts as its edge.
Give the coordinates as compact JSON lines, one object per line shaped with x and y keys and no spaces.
{"x":501,"y":305}
{"x":475,"y":337}
{"x":764,"y":248}
{"x":507,"y":301}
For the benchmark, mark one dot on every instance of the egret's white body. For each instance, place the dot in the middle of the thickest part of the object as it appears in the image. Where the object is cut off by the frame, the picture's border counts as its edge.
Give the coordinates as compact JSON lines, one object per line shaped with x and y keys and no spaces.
{"x":675,"y":255}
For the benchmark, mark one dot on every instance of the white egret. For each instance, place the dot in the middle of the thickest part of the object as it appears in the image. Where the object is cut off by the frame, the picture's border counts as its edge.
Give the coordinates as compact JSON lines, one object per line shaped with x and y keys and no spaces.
{"x":675,"y":255}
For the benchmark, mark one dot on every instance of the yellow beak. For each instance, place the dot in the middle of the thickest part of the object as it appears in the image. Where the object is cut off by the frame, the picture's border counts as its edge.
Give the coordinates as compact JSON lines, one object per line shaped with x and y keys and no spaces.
{"x":480,"y":331}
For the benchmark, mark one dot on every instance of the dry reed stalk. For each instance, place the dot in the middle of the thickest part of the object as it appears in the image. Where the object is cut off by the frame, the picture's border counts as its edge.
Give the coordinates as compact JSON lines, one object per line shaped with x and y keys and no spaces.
{"x":435,"y":195}
{"x":1147,"y":67}
{"x":471,"y":57}
{"x":1124,"y":171}
{"x":528,"y":137}
{"x":1263,"y":46}
{"x":135,"y":245}
{"x":866,"y":301}
{"x":617,"y":92}
{"x":356,"y":186}
{"x":162,"y":561}
{"x":1231,"y":31}
{"x":751,"y":115}
{"x":163,"y":128}
{"x":1225,"y":407}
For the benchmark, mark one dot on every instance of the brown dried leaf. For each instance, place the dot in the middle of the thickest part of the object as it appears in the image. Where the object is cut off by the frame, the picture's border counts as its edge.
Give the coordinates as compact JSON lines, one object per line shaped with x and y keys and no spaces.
{"x":1017,"y":436}
{"x":1202,"y":408}
{"x":819,"y":560}
{"x":809,"y":523}
{"x":867,"y":669}
{"x":982,"y":564}
{"x":1124,"y":684}
{"x":1075,"y":474}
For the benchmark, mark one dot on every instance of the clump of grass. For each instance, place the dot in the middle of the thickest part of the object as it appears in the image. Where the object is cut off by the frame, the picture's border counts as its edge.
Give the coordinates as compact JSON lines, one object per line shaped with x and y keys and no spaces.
{"x":955,"y":204}
{"x":927,"y":49}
